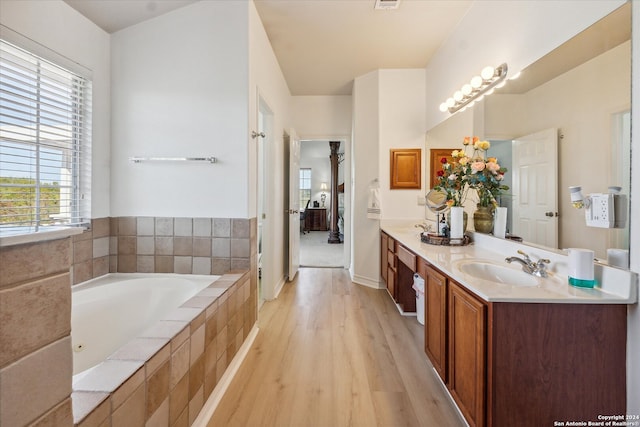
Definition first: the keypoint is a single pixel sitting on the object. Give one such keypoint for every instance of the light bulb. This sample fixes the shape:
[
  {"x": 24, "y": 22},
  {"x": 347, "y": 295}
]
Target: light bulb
[
  {"x": 487, "y": 72},
  {"x": 480, "y": 98},
  {"x": 489, "y": 92},
  {"x": 476, "y": 82},
  {"x": 457, "y": 95},
  {"x": 501, "y": 84},
  {"x": 515, "y": 76},
  {"x": 450, "y": 102},
  {"x": 471, "y": 104},
  {"x": 466, "y": 89},
  {"x": 443, "y": 107}
]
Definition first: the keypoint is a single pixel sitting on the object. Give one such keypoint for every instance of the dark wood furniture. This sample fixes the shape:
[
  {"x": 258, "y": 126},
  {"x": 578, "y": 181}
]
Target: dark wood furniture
[
  {"x": 315, "y": 219},
  {"x": 524, "y": 364},
  {"x": 406, "y": 168},
  {"x": 334, "y": 232}
]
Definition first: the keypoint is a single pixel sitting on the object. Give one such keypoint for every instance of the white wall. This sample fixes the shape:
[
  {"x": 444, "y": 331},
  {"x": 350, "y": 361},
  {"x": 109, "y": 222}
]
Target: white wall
[
  {"x": 180, "y": 88},
  {"x": 402, "y": 125},
  {"x": 494, "y": 31},
  {"x": 321, "y": 117},
  {"x": 56, "y": 26},
  {"x": 267, "y": 82},
  {"x": 365, "y": 254}
]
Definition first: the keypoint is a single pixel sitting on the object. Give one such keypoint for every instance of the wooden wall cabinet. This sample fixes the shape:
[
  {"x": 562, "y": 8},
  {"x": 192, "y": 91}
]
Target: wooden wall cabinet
[{"x": 406, "y": 166}]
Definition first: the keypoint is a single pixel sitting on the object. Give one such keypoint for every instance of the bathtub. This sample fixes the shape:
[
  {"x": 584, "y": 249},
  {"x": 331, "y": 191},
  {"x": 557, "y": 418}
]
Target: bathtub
[{"x": 110, "y": 310}]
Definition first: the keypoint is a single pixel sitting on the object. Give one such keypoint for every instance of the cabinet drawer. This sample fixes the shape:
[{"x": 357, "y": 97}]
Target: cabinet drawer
[
  {"x": 391, "y": 259},
  {"x": 407, "y": 257},
  {"x": 391, "y": 244}
]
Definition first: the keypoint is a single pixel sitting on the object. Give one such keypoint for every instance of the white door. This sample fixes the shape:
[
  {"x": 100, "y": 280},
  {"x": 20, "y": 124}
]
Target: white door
[
  {"x": 535, "y": 188},
  {"x": 294, "y": 204}
]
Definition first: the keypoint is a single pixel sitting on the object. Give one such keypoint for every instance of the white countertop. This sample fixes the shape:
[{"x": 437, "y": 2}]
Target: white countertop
[
  {"x": 614, "y": 285},
  {"x": 47, "y": 233}
]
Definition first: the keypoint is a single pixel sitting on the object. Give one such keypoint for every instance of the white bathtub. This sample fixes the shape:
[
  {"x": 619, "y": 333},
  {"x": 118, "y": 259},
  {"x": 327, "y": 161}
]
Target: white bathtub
[{"x": 110, "y": 310}]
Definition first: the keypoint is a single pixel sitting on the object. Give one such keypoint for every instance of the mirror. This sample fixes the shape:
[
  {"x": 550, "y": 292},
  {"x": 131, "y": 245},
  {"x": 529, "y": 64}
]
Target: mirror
[
  {"x": 581, "y": 92},
  {"x": 436, "y": 201}
]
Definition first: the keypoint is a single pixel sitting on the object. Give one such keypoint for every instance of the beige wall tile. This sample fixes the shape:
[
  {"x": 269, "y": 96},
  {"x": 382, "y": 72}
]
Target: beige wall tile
[
  {"x": 164, "y": 245},
  {"x": 240, "y": 248},
  {"x": 164, "y": 227},
  {"x": 126, "y": 389},
  {"x": 146, "y": 264},
  {"x": 202, "y": 246},
  {"x": 35, "y": 383},
  {"x": 127, "y": 263},
  {"x": 24, "y": 262},
  {"x": 195, "y": 405},
  {"x": 100, "y": 266},
  {"x": 33, "y": 315},
  {"x": 178, "y": 399},
  {"x": 82, "y": 251},
  {"x": 100, "y": 247},
  {"x": 182, "y": 264},
  {"x": 131, "y": 413},
  {"x": 90, "y": 408},
  {"x": 108, "y": 375},
  {"x": 146, "y": 226},
  {"x": 146, "y": 245},
  {"x": 196, "y": 376},
  {"x": 165, "y": 329},
  {"x": 101, "y": 227},
  {"x": 82, "y": 271},
  {"x": 127, "y": 245},
  {"x": 164, "y": 264},
  {"x": 60, "y": 416},
  {"x": 162, "y": 356},
  {"x": 183, "y": 246},
  {"x": 201, "y": 265},
  {"x": 220, "y": 265},
  {"x": 221, "y": 227},
  {"x": 211, "y": 357},
  {"x": 141, "y": 349},
  {"x": 183, "y": 227},
  {"x": 157, "y": 389},
  {"x": 183, "y": 419},
  {"x": 127, "y": 226},
  {"x": 179, "y": 363},
  {"x": 160, "y": 418},
  {"x": 202, "y": 227},
  {"x": 197, "y": 344},
  {"x": 240, "y": 228}
]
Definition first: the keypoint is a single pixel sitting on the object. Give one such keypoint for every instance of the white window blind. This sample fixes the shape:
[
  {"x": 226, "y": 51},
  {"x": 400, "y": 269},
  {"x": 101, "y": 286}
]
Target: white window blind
[{"x": 45, "y": 143}]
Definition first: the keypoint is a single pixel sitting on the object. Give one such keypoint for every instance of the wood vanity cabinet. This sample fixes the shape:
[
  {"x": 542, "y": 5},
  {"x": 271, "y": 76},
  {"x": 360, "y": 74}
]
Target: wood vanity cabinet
[
  {"x": 435, "y": 322},
  {"x": 388, "y": 263},
  {"x": 467, "y": 353}
]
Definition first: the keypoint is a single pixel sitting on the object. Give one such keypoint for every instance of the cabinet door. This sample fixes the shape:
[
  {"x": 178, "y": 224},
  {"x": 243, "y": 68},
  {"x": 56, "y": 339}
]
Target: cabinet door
[
  {"x": 467, "y": 353},
  {"x": 383, "y": 256},
  {"x": 435, "y": 331}
]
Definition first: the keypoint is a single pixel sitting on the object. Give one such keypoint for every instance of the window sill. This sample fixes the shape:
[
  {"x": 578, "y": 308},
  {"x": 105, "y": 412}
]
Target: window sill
[{"x": 40, "y": 236}]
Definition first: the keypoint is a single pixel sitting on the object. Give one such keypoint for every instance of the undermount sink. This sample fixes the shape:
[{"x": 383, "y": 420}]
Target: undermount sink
[{"x": 497, "y": 273}]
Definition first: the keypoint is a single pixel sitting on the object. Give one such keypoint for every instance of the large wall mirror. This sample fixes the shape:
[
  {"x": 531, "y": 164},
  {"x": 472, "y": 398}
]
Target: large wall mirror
[{"x": 580, "y": 95}]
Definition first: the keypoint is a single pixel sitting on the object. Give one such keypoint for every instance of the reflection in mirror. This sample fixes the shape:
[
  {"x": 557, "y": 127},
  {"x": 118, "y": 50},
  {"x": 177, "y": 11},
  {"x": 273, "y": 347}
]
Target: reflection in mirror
[{"x": 578, "y": 94}]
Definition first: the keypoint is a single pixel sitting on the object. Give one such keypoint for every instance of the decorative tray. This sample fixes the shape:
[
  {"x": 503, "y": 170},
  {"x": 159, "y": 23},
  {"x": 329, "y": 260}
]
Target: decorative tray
[{"x": 434, "y": 239}]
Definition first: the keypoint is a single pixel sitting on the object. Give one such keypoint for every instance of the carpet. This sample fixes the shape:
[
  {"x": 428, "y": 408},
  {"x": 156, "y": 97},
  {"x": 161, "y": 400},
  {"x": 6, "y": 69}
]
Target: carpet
[{"x": 316, "y": 252}]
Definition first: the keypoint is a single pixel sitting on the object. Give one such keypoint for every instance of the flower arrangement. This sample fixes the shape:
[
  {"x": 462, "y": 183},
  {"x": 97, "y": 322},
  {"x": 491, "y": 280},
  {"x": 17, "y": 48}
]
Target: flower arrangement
[{"x": 474, "y": 170}]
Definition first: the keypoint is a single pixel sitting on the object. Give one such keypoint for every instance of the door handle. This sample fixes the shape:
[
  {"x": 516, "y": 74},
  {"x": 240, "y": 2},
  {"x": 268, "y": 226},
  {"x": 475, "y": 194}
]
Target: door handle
[
  {"x": 550, "y": 214},
  {"x": 291, "y": 211}
]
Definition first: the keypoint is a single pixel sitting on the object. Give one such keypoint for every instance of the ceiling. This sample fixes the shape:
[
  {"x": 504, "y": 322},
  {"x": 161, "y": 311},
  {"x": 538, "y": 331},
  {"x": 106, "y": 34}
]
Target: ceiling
[{"x": 321, "y": 45}]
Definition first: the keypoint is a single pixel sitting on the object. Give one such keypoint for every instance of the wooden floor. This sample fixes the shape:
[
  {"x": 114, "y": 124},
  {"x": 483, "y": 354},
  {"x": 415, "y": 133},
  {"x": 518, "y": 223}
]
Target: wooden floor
[{"x": 332, "y": 353}]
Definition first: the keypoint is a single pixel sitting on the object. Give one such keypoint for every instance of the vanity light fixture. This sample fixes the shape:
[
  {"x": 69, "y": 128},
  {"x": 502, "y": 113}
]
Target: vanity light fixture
[{"x": 476, "y": 89}]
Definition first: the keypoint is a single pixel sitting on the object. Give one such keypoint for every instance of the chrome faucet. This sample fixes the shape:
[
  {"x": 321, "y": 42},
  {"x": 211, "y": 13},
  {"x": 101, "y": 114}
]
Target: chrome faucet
[
  {"x": 425, "y": 227},
  {"x": 538, "y": 269}
]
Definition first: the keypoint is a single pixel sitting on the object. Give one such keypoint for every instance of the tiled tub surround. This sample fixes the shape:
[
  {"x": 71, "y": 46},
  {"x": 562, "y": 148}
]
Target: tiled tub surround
[
  {"x": 164, "y": 376},
  {"x": 35, "y": 349},
  {"x": 163, "y": 245}
]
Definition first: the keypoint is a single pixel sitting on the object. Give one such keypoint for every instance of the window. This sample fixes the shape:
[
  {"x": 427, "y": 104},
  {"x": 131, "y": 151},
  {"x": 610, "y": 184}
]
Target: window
[
  {"x": 305, "y": 187},
  {"x": 45, "y": 129}
]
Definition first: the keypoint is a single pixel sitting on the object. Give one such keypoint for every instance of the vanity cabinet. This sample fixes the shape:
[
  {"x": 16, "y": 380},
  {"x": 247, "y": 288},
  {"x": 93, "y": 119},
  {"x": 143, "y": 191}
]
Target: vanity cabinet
[
  {"x": 435, "y": 322},
  {"x": 397, "y": 266},
  {"x": 388, "y": 263},
  {"x": 467, "y": 353}
]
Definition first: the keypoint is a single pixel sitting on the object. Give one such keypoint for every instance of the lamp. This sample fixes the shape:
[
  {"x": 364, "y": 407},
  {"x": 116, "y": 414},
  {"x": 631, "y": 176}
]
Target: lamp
[
  {"x": 323, "y": 196},
  {"x": 488, "y": 79}
]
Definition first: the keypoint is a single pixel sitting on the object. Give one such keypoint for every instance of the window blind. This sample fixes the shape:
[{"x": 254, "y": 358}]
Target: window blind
[{"x": 45, "y": 143}]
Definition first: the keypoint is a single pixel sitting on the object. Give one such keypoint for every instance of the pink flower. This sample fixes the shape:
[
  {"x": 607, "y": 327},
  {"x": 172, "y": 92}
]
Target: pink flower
[
  {"x": 477, "y": 166},
  {"x": 493, "y": 167}
]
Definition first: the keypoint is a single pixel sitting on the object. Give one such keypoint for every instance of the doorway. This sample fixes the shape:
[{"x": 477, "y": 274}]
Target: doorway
[
  {"x": 316, "y": 199},
  {"x": 265, "y": 127}
]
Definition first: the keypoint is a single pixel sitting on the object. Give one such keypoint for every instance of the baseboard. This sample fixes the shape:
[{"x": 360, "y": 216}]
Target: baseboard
[
  {"x": 279, "y": 287},
  {"x": 216, "y": 395},
  {"x": 365, "y": 281}
]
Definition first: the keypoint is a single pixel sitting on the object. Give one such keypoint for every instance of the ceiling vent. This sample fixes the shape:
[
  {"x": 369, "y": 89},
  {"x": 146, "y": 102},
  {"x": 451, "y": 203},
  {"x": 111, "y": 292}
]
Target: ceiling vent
[{"x": 387, "y": 4}]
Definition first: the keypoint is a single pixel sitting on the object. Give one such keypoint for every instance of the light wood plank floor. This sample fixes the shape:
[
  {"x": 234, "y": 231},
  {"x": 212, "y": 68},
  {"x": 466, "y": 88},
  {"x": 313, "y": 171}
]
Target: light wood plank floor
[{"x": 332, "y": 353}]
